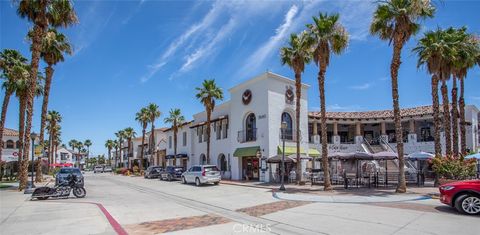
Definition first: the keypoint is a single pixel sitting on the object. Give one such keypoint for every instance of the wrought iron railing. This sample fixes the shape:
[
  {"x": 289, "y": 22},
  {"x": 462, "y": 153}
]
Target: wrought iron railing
[{"x": 247, "y": 135}]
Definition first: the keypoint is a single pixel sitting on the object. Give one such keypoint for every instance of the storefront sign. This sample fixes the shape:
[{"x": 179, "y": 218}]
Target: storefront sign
[
  {"x": 12, "y": 157},
  {"x": 262, "y": 116},
  {"x": 337, "y": 148}
]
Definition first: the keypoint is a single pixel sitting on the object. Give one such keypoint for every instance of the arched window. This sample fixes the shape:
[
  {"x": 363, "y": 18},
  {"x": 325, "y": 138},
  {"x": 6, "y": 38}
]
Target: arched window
[
  {"x": 289, "y": 131},
  {"x": 10, "y": 144},
  {"x": 222, "y": 162},
  {"x": 250, "y": 128}
]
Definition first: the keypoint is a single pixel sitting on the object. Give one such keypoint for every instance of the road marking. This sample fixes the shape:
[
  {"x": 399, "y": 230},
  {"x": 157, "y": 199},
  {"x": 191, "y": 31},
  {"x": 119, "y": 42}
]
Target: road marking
[{"x": 113, "y": 222}]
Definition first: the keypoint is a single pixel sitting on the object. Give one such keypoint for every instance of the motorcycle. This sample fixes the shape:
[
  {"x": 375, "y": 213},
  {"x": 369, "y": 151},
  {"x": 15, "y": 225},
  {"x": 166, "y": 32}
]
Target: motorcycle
[{"x": 61, "y": 190}]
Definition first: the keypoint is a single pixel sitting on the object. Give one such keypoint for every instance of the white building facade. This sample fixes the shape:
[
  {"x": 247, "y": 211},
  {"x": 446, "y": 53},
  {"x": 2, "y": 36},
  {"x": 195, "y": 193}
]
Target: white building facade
[{"x": 245, "y": 130}]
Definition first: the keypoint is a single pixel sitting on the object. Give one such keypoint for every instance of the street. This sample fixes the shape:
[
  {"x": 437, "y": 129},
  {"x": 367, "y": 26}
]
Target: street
[{"x": 140, "y": 206}]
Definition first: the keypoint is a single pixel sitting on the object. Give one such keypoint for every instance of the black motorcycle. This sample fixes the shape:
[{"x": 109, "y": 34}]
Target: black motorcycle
[{"x": 61, "y": 190}]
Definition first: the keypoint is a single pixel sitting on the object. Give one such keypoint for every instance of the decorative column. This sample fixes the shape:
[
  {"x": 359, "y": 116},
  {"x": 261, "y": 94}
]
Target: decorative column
[
  {"x": 412, "y": 135},
  {"x": 383, "y": 132},
  {"x": 358, "y": 133},
  {"x": 335, "y": 137}
]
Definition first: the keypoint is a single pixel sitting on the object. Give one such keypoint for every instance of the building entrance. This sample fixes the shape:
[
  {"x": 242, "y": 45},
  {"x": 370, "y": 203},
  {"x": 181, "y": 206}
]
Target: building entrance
[{"x": 250, "y": 168}]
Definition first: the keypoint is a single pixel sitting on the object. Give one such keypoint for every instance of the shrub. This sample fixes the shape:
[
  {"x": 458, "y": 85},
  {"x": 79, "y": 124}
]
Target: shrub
[{"x": 454, "y": 168}]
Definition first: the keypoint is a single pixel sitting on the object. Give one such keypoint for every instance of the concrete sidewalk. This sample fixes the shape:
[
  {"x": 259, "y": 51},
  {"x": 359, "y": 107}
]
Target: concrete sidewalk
[{"x": 349, "y": 198}]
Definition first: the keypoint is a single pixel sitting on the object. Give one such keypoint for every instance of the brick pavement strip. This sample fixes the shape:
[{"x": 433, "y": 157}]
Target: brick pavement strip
[
  {"x": 171, "y": 225},
  {"x": 269, "y": 208}
]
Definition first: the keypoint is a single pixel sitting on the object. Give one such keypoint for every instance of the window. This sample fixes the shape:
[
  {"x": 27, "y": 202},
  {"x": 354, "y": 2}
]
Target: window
[
  {"x": 225, "y": 129},
  {"x": 169, "y": 142},
  {"x": 203, "y": 159},
  {"x": 222, "y": 162},
  {"x": 184, "y": 138},
  {"x": 250, "y": 128},
  {"x": 219, "y": 129},
  {"x": 200, "y": 133},
  {"x": 10, "y": 144},
  {"x": 425, "y": 134},
  {"x": 289, "y": 131}
]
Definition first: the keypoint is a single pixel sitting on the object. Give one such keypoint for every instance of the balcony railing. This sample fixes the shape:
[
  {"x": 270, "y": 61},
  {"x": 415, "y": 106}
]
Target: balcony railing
[{"x": 247, "y": 135}]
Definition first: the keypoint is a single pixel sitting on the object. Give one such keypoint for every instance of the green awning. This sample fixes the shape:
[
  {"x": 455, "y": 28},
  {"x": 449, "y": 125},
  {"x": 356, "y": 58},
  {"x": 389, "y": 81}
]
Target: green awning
[
  {"x": 246, "y": 152},
  {"x": 293, "y": 150}
]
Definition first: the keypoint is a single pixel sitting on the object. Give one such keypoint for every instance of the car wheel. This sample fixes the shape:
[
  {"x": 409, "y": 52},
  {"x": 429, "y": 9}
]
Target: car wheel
[
  {"x": 169, "y": 178},
  {"x": 184, "y": 181},
  {"x": 468, "y": 204},
  {"x": 216, "y": 183},
  {"x": 197, "y": 182}
]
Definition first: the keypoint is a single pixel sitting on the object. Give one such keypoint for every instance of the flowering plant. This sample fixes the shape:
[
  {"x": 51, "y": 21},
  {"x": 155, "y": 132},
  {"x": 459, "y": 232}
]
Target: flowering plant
[{"x": 456, "y": 168}]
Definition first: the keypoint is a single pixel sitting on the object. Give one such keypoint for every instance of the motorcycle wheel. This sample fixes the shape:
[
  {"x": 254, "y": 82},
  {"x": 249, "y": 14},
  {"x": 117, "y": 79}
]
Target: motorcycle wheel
[{"x": 79, "y": 192}]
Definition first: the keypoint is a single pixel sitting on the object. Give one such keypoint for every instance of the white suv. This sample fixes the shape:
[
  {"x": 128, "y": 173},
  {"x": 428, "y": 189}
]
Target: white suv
[{"x": 201, "y": 174}]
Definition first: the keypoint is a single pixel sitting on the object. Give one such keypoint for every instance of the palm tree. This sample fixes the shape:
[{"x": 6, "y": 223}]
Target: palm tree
[
  {"x": 54, "y": 45},
  {"x": 79, "y": 147},
  {"x": 468, "y": 54},
  {"x": 53, "y": 120},
  {"x": 13, "y": 66},
  {"x": 329, "y": 37},
  {"x": 42, "y": 14},
  {"x": 121, "y": 136},
  {"x": 87, "y": 144},
  {"x": 433, "y": 51},
  {"x": 396, "y": 21},
  {"x": 207, "y": 94},
  {"x": 115, "y": 146},
  {"x": 154, "y": 113},
  {"x": 21, "y": 92},
  {"x": 296, "y": 55},
  {"x": 176, "y": 119},
  {"x": 143, "y": 117},
  {"x": 129, "y": 133},
  {"x": 109, "y": 144}
]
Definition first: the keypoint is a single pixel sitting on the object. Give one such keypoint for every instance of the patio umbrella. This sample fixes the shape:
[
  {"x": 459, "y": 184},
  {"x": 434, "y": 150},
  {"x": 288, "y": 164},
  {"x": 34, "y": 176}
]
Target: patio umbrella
[
  {"x": 420, "y": 156},
  {"x": 385, "y": 155},
  {"x": 475, "y": 155}
]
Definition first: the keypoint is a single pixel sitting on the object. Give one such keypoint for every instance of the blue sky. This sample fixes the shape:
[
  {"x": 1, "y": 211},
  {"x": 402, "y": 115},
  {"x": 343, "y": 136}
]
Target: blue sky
[{"x": 131, "y": 53}]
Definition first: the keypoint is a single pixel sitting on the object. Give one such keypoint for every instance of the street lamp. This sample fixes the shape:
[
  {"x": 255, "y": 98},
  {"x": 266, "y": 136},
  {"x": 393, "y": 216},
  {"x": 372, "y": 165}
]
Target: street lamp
[
  {"x": 31, "y": 185},
  {"x": 283, "y": 128}
]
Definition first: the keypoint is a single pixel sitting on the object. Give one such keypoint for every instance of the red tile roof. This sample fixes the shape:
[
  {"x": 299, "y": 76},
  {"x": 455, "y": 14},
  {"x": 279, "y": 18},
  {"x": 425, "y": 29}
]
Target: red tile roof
[
  {"x": 407, "y": 112},
  {"x": 10, "y": 132}
]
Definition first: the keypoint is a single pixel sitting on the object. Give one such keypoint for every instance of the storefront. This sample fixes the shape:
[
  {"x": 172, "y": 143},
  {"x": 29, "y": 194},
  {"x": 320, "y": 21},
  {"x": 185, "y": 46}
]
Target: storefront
[{"x": 250, "y": 162}]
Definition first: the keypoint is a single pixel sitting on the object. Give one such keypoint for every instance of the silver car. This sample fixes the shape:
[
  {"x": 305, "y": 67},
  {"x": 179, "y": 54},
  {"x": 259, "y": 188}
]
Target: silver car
[{"x": 201, "y": 174}]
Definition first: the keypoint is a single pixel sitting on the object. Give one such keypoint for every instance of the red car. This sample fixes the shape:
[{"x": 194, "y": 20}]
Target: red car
[{"x": 463, "y": 195}]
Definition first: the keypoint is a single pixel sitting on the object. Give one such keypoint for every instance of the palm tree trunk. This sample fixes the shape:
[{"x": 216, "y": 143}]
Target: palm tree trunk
[
  {"x": 116, "y": 156},
  {"x": 209, "y": 114},
  {"x": 50, "y": 149},
  {"x": 321, "y": 87},
  {"x": 463, "y": 131},
  {"x": 152, "y": 144},
  {"x": 436, "y": 116},
  {"x": 46, "y": 94},
  {"x": 143, "y": 143},
  {"x": 446, "y": 118},
  {"x": 397, "y": 49},
  {"x": 175, "y": 144},
  {"x": 6, "y": 101},
  {"x": 109, "y": 156},
  {"x": 21, "y": 136},
  {"x": 298, "y": 95},
  {"x": 454, "y": 117}
]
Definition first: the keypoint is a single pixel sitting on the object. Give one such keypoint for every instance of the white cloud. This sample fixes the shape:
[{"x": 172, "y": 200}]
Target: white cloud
[
  {"x": 361, "y": 87},
  {"x": 262, "y": 53}
]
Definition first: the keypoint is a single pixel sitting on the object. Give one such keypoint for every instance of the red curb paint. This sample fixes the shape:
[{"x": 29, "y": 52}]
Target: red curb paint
[{"x": 115, "y": 225}]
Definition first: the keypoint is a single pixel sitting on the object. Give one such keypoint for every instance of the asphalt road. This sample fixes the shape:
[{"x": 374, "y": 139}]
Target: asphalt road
[{"x": 141, "y": 206}]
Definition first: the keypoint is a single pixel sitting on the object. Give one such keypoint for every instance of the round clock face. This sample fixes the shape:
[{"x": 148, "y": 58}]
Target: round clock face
[
  {"x": 246, "y": 97},
  {"x": 289, "y": 95}
]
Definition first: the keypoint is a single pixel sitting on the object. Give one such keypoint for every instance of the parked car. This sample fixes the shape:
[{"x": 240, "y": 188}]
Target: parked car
[
  {"x": 202, "y": 174},
  {"x": 153, "y": 172},
  {"x": 107, "y": 169},
  {"x": 65, "y": 172},
  {"x": 462, "y": 195},
  {"x": 98, "y": 169},
  {"x": 172, "y": 173}
]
